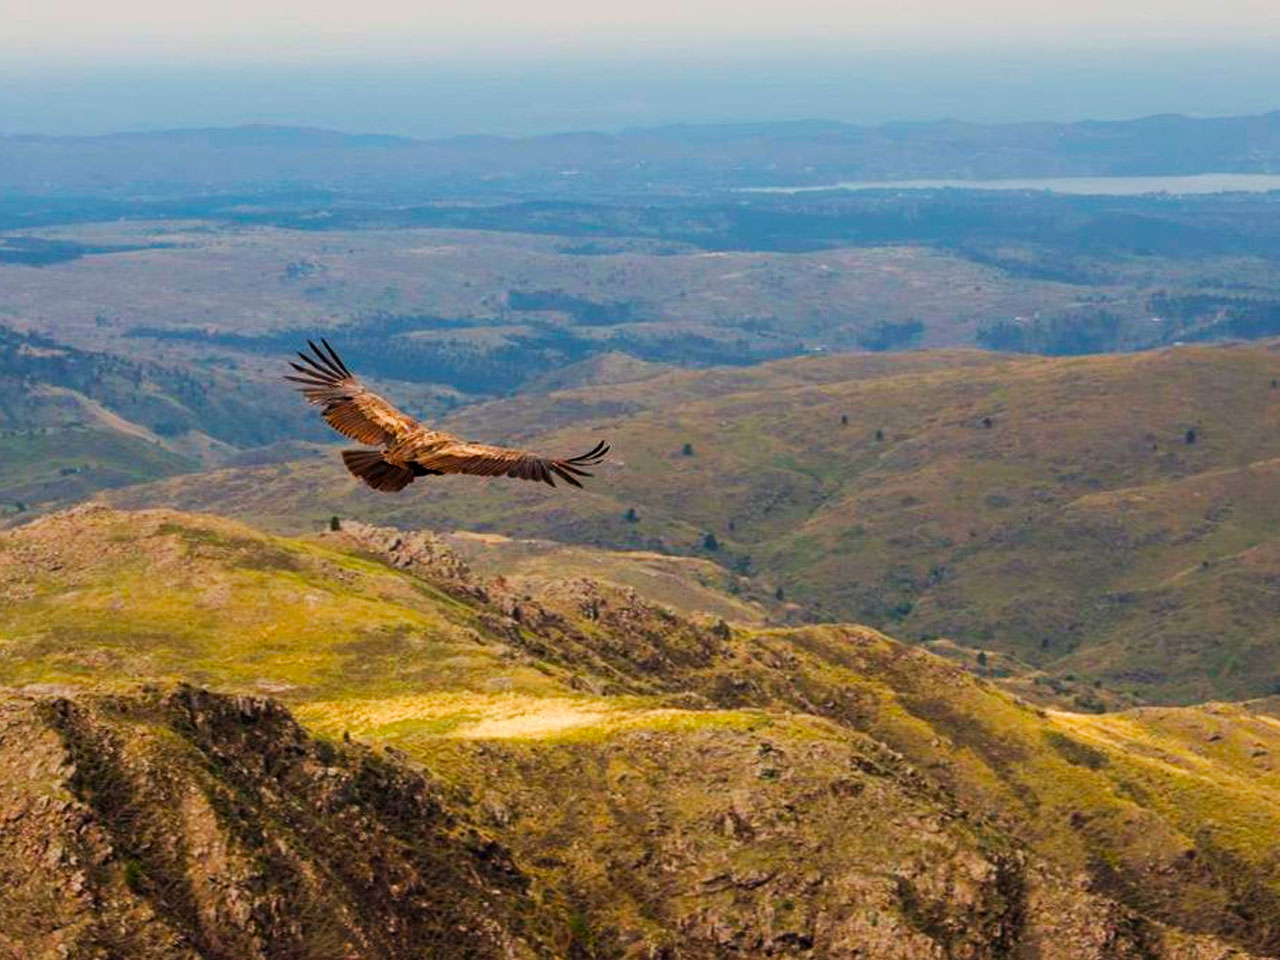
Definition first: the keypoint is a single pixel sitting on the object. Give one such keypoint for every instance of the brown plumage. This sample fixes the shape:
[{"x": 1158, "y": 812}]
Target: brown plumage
[{"x": 408, "y": 449}]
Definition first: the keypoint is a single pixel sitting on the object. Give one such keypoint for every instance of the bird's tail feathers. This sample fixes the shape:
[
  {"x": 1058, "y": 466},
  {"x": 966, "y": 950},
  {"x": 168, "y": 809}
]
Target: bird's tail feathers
[{"x": 369, "y": 466}]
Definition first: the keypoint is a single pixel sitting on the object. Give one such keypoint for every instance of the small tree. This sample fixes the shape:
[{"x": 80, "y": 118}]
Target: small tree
[
  {"x": 982, "y": 659},
  {"x": 687, "y": 450},
  {"x": 780, "y": 595},
  {"x": 844, "y": 419},
  {"x": 631, "y": 516},
  {"x": 335, "y": 524},
  {"x": 988, "y": 423},
  {"x": 879, "y": 434},
  {"x": 1191, "y": 437},
  {"x": 710, "y": 543}
]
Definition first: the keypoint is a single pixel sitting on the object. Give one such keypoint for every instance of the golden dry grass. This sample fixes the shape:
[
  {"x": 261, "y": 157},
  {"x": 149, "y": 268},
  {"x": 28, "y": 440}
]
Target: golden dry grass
[{"x": 408, "y": 720}]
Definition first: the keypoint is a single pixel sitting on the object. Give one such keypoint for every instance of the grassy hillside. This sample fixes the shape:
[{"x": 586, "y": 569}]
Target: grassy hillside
[
  {"x": 38, "y": 466},
  {"x": 180, "y": 326},
  {"x": 75, "y": 421},
  {"x": 661, "y": 783},
  {"x": 1105, "y": 518}
]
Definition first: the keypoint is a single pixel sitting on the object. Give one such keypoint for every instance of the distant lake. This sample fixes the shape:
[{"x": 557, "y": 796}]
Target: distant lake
[{"x": 1201, "y": 183}]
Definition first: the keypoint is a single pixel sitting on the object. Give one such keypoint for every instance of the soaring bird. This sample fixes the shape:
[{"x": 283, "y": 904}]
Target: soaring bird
[{"x": 407, "y": 449}]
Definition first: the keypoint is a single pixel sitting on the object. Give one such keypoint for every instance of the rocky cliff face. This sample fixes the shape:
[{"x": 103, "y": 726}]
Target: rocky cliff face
[{"x": 184, "y": 824}]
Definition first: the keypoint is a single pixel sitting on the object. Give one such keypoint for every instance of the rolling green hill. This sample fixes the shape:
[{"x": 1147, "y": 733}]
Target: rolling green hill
[
  {"x": 1106, "y": 518},
  {"x": 654, "y": 783}
]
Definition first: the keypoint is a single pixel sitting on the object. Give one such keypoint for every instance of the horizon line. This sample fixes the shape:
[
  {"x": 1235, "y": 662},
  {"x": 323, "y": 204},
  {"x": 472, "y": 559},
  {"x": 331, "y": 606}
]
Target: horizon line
[{"x": 623, "y": 131}]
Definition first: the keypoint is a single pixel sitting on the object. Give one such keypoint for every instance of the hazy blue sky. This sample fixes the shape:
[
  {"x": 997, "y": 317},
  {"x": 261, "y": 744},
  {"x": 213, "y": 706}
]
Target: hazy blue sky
[{"x": 428, "y": 68}]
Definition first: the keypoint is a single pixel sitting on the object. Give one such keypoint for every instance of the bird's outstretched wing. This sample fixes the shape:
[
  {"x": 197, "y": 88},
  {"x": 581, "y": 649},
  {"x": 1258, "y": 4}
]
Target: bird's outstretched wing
[
  {"x": 481, "y": 460},
  {"x": 347, "y": 404}
]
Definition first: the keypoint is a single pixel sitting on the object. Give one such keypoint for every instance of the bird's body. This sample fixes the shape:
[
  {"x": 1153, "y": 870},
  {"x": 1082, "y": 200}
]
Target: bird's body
[{"x": 407, "y": 449}]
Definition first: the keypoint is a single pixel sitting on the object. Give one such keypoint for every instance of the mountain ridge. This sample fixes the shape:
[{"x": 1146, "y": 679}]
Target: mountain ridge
[
  {"x": 679, "y": 156},
  {"x": 728, "y": 129}
]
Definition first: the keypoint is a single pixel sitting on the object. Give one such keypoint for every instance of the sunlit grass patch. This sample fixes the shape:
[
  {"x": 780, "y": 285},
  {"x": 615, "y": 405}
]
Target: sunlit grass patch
[
  {"x": 1207, "y": 769},
  {"x": 507, "y": 716}
]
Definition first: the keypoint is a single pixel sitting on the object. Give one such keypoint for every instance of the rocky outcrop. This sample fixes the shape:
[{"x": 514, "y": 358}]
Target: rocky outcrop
[
  {"x": 419, "y": 552},
  {"x": 612, "y": 637}
]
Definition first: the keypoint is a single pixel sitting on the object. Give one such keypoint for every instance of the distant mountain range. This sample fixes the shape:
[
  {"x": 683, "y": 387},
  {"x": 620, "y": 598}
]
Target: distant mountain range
[{"x": 671, "y": 158}]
